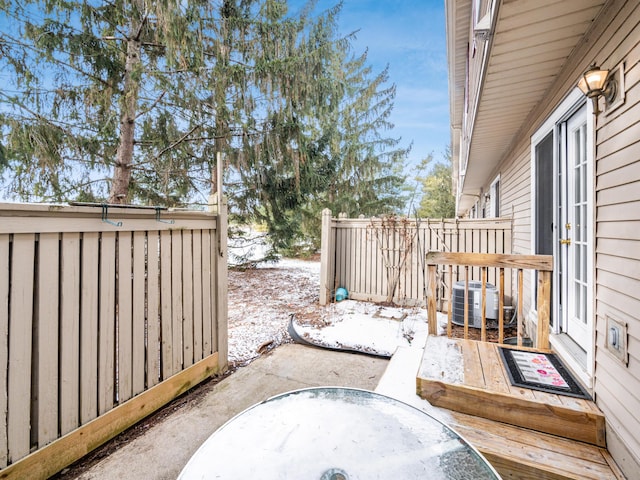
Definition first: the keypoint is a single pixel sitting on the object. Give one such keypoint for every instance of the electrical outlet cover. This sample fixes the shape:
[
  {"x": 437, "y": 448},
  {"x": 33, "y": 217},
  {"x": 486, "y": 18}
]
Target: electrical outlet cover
[{"x": 616, "y": 339}]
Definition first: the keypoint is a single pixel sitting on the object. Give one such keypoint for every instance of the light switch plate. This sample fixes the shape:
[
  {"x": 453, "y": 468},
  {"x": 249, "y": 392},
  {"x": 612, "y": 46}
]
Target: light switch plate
[{"x": 616, "y": 339}]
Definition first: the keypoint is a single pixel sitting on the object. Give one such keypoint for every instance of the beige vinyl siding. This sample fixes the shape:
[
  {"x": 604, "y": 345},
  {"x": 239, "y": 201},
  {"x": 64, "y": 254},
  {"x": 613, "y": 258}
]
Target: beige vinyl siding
[
  {"x": 516, "y": 198},
  {"x": 515, "y": 179},
  {"x": 617, "y": 386}
]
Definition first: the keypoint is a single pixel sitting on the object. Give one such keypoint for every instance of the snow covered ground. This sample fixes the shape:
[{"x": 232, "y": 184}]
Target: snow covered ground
[
  {"x": 262, "y": 301},
  {"x": 367, "y": 327}
]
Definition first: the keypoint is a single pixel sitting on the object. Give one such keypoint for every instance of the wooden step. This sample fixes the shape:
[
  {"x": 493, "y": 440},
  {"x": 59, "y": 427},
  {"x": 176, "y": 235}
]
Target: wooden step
[
  {"x": 514, "y": 452},
  {"x": 468, "y": 377}
]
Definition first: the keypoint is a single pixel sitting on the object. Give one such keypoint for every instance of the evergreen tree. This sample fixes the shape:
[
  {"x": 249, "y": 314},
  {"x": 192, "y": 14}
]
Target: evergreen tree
[
  {"x": 366, "y": 165},
  {"x": 83, "y": 76},
  {"x": 438, "y": 200},
  {"x": 130, "y": 101}
]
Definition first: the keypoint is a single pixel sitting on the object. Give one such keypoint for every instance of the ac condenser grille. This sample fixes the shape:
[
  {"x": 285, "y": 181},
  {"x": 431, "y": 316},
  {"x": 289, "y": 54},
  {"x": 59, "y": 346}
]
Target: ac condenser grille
[{"x": 475, "y": 304}]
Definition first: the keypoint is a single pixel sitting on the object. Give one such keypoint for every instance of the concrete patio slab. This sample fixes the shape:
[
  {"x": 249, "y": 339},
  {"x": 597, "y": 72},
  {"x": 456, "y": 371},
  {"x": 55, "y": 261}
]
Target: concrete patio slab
[{"x": 163, "y": 450}]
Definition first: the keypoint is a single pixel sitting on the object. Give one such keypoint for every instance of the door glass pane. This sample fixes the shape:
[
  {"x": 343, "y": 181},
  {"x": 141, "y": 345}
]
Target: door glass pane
[{"x": 584, "y": 305}]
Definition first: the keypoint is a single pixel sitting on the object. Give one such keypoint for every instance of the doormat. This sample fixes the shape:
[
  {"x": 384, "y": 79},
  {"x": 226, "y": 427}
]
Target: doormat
[{"x": 540, "y": 371}]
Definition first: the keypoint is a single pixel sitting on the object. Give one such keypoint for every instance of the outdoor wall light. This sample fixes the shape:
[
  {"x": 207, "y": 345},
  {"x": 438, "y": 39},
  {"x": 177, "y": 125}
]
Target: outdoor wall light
[{"x": 595, "y": 83}]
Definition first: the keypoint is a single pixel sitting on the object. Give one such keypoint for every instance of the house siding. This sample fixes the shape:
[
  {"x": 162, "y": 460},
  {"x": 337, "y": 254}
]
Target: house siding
[
  {"x": 515, "y": 202},
  {"x": 616, "y": 385}
]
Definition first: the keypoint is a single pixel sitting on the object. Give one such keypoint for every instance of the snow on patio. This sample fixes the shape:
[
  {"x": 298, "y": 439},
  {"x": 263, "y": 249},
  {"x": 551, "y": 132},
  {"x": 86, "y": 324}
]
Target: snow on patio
[{"x": 367, "y": 327}]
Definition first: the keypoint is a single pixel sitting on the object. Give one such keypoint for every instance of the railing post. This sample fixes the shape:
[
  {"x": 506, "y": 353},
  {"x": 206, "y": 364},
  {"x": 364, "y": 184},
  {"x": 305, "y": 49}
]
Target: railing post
[
  {"x": 326, "y": 258},
  {"x": 432, "y": 315},
  {"x": 544, "y": 301}
]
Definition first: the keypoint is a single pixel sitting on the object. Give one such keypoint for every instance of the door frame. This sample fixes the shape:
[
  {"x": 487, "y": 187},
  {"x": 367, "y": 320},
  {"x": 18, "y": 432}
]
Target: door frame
[
  {"x": 572, "y": 269},
  {"x": 573, "y": 102}
]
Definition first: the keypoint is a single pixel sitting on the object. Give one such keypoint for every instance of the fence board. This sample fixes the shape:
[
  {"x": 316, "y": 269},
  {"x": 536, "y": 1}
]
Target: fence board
[
  {"x": 176, "y": 301},
  {"x": 4, "y": 344},
  {"x": 208, "y": 306},
  {"x": 69, "y": 332},
  {"x": 56, "y": 224},
  {"x": 138, "y": 364},
  {"x": 166, "y": 251},
  {"x": 187, "y": 299},
  {"x": 124, "y": 315},
  {"x": 20, "y": 342},
  {"x": 153, "y": 309},
  {"x": 197, "y": 295},
  {"x": 107, "y": 323},
  {"x": 89, "y": 328},
  {"x": 47, "y": 351}
]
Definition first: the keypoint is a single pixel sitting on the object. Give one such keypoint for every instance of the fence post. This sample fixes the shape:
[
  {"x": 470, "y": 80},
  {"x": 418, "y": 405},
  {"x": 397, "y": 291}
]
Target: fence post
[
  {"x": 326, "y": 257},
  {"x": 222, "y": 284}
]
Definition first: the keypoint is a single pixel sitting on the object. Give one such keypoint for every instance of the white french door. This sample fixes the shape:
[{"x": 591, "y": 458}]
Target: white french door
[{"x": 575, "y": 228}]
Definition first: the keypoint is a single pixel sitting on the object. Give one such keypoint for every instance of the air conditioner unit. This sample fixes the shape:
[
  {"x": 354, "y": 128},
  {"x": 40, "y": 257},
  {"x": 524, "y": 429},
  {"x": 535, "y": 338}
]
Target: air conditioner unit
[{"x": 475, "y": 304}]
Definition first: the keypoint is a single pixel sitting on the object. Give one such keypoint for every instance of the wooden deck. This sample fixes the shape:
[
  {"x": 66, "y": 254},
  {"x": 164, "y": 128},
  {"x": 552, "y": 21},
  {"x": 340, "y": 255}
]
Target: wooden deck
[{"x": 524, "y": 433}]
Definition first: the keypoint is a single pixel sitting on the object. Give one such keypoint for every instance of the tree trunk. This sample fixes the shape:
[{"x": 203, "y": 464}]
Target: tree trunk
[{"x": 124, "y": 156}]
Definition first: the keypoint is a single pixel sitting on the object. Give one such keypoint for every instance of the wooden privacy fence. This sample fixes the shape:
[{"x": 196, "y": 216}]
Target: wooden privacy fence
[
  {"x": 383, "y": 259},
  {"x": 106, "y": 314}
]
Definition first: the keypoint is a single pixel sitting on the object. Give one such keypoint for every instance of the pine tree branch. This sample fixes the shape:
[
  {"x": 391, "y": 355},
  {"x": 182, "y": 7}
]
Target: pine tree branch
[
  {"x": 155, "y": 103},
  {"x": 177, "y": 142}
]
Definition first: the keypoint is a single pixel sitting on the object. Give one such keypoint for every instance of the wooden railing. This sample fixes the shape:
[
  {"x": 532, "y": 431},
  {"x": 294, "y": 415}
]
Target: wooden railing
[
  {"x": 517, "y": 264},
  {"x": 106, "y": 314}
]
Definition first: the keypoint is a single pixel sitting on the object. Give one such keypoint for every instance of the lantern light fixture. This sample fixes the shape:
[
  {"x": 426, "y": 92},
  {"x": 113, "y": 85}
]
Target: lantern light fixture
[{"x": 595, "y": 83}]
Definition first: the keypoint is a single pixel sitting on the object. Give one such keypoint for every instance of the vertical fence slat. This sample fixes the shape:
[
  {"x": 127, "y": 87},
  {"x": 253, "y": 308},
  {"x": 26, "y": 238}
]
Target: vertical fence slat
[
  {"x": 364, "y": 265},
  {"x": 20, "y": 329},
  {"x": 4, "y": 344},
  {"x": 176, "y": 300},
  {"x": 153, "y": 310},
  {"x": 187, "y": 298},
  {"x": 208, "y": 304},
  {"x": 368, "y": 264},
  {"x": 125, "y": 330},
  {"x": 47, "y": 350},
  {"x": 197, "y": 295},
  {"x": 69, "y": 332},
  {"x": 138, "y": 363},
  {"x": 353, "y": 256},
  {"x": 166, "y": 279},
  {"x": 107, "y": 322},
  {"x": 89, "y": 328}
]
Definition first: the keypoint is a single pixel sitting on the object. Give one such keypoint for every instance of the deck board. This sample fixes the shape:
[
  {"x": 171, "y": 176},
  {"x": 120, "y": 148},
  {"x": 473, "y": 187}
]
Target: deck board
[
  {"x": 494, "y": 375},
  {"x": 481, "y": 390},
  {"x": 513, "y": 451},
  {"x": 533, "y": 455}
]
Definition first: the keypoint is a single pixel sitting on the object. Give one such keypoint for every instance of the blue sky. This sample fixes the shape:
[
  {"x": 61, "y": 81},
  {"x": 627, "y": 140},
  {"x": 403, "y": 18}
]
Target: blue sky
[{"x": 409, "y": 36}]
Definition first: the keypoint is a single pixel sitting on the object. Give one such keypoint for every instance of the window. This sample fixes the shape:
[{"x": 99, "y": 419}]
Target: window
[{"x": 494, "y": 198}]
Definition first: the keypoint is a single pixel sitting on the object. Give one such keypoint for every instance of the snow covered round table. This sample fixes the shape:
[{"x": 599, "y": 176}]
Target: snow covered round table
[{"x": 335, "y": 434}]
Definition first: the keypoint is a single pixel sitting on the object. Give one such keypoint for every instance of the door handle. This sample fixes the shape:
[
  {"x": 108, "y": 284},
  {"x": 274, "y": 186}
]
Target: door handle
[{"x": 565, "y": 241}]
